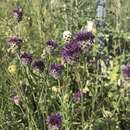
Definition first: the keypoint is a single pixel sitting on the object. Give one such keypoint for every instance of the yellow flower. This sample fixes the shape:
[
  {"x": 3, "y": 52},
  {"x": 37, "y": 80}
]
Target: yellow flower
[
  {"x": 94, "y": 31},
  {"x": 66, "y": 97},
  {"x": 12, "y": 69},
  {"x": 55, "y": 89},
  {"x": 85, "y": 90}
]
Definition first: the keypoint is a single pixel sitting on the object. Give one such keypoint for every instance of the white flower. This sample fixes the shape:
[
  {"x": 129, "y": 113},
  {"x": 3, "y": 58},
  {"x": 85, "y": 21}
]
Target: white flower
[
  {"x": 90, "y": 25},
  {"x": 67, "y": 35}
]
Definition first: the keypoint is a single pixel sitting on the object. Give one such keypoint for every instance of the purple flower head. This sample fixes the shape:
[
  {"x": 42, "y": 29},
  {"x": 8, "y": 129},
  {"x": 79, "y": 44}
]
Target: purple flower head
[
  {"x": 84, "y": 36},
  {"x": 14, "y": 40},
  {"x": 126, "y": 70},
  {"x": 85, "y": 45},
  {"x": 55, "y": 70},
  {"x": 51, "y": 44},
  {"x": 26, "y": 58},
  {"x": 77, "y": 95},
  {"x": 18, "y": 13},
  {"x": 54, "y": 121},
  {"x": 85, "y": 40},
  {"x": 38, "y": 65},
  {"x": 70, "y": 51}
]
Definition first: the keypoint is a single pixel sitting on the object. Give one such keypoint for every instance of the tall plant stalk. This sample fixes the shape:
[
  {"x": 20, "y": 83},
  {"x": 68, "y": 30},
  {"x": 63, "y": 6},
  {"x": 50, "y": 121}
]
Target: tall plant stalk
[{"x": 118, "y": 9}]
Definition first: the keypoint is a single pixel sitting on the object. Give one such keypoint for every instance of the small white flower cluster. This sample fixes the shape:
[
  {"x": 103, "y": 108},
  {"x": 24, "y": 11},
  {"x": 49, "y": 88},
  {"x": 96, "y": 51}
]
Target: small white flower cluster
[{"x": 67, "y": 36}]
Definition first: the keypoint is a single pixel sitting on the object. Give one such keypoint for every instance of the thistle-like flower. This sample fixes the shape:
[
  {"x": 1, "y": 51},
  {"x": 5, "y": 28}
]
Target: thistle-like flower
[
  {"x": 82, "y": 42},
  {"x": 26, "y": 58},
  {"x": 51, "y": 45},
  {"x": 126, "y": 70},
  {"x": 85, "y": 40},
  {"x": 54, "y": 121},
  {"x": 84, "y": 36},
  {"x": 70, "y": 52},
  {"x": 18, "y": 13},
  {"x": 78, "y": 94},
  {"x": 14, "y": 40},
  {"x": 38, "y": 65},
  {"x": 55, "y": 70}
]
